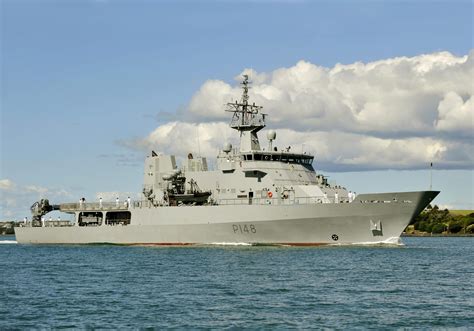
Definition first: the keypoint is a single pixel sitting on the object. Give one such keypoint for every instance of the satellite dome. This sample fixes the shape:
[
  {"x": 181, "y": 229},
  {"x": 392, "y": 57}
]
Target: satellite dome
[
  {"x": 271, "y": 135},
  {"x": 167, "y": 176},
  {"x": 227, "y": 147}
]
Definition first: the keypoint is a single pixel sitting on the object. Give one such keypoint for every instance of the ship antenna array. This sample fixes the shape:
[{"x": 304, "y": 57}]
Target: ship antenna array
[
  {"x": 245, "y": 95},
  {"x": 243, "y": 110},
  {"x": 431, "y": 176}
]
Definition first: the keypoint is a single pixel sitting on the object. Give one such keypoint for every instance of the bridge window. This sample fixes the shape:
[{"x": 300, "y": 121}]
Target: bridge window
[{"x": 285, "y": 158}]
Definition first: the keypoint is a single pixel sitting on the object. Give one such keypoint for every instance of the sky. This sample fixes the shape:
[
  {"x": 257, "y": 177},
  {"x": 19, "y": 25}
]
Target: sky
[{"x": 377, "y": 90}]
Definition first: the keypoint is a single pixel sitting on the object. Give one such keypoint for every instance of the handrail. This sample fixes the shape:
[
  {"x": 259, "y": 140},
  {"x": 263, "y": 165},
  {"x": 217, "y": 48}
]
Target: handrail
[
  {"x": 93, "y": 206},
  {"x": 275, "y": 201},
  {"x": 253, "y": 201},
  {"x": 272, "y": 201}
]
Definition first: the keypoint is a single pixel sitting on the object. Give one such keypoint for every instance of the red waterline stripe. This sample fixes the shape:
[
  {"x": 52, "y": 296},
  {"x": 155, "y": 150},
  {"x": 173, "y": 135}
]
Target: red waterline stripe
[
  {"x": 304, "y": 244},
  {"x": 256, "y": 244},
  {"x": 161, "y": 244}
]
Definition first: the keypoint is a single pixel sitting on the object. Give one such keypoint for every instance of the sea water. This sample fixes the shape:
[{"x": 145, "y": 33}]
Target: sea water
[{"x": 427, "y": 283}]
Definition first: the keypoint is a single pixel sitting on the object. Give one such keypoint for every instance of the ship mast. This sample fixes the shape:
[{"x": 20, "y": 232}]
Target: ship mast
[{"x": 246, "y": 119}]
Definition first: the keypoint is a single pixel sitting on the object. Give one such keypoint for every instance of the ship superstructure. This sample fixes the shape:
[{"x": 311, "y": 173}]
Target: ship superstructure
[
  {"x": 249, "y": 173},
  {"x": 256, "y": 195}
]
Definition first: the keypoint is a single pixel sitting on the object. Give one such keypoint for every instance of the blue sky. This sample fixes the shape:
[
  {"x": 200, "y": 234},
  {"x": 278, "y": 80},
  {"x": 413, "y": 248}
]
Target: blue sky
[{"x": 80, "y": 78}]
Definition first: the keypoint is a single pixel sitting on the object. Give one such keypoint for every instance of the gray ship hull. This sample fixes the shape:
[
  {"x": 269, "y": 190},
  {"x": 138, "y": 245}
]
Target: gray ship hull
[{"x": 371, "y": 218}]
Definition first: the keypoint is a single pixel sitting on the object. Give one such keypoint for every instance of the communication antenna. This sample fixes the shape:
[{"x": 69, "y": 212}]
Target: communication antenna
[
  {"x": 431, "y": 176},
  {"x": 246, "y": 119},
  {"x": 199, "y": 144}
]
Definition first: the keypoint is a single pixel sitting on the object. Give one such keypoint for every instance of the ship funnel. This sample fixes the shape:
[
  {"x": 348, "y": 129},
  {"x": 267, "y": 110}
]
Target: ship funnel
[{"x": 271, "y": 135}]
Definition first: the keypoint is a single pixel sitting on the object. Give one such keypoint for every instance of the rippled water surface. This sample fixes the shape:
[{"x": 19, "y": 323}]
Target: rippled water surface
[{"x": 428, "y": 283}]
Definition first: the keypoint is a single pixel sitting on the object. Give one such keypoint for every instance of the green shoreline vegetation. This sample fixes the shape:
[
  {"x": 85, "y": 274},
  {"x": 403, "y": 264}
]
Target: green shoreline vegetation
[
  {"x": 441, "y": 222},
  {"x": 431, "y": 222},
  {"x": 6, "y": 228}
]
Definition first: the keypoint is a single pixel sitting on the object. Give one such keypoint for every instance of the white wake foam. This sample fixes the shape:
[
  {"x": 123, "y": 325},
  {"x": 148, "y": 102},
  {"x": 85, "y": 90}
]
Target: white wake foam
[
  {"x": 7, "y": 242},
  {"x": 392, "y": 241}
]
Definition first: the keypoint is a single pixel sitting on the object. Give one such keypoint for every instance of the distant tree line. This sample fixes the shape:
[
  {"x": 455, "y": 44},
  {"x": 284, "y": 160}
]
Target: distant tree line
[
  {"x": 437, "y": 221},
  {"x": 6, "y": 228}
]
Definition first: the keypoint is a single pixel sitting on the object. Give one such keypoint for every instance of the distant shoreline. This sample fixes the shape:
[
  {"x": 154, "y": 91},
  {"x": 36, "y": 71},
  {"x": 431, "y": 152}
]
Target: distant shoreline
[{"x": 437, "y": 235}]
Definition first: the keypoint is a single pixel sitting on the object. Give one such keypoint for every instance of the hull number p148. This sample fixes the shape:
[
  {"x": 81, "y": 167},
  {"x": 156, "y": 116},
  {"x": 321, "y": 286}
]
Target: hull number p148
[{"x": 244, "y": 228}]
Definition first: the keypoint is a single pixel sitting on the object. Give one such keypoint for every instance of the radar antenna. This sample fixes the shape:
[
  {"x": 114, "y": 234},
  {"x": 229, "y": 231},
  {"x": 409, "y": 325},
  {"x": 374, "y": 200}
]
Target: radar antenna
[
  {"x": 246, "y": 119},
  {"x": 245, "y": 95},
  {"x": 245, "y": 115}
]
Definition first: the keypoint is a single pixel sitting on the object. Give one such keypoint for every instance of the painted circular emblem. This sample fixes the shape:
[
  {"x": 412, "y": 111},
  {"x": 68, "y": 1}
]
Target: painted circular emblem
[{"x": 335, "y": 237}]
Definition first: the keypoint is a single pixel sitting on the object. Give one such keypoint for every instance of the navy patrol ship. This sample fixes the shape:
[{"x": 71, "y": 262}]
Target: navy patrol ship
[{"x": 255, "y": 196}]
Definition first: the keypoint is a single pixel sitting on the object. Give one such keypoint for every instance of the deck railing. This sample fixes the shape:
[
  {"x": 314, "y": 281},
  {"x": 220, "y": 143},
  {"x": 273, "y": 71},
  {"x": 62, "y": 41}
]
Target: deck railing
[
  {"x": 253, "y": 201},
  {"x": 275, "y": 201},
  {"x": 271, "y": 201},
  {"x": 94, "y": 206},
  {"x": 278, "y": 201}
]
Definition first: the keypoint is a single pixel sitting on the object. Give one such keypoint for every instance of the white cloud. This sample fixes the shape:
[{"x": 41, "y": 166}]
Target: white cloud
[
  {"x": 392, "y": 96},
  {"x": 182, "y": 138},
  {"x": 16, "y": 199},
  {"x": 36, "y": 189},
  {"x": 334, "y": 150},
  {"x": 455, "y": 115},
  {"x": 208, "y": 104},
  {"x": 6, "y": 184},
  {"x": 399, "y": 113}
]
